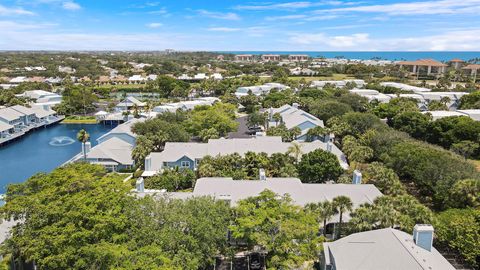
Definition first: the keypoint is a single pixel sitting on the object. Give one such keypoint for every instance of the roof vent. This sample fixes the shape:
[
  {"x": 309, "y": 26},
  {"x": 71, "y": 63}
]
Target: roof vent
[
  {"x": 423, "y": 236},
  {"x": 148, "y": 163},
  {"x": 357, "y": 177},
  {"x": 140, "y": 185},
  {"x": 262, "y": 175},
  {"x": 329, "y": 146},
  {"x": 87, "y": 147}
]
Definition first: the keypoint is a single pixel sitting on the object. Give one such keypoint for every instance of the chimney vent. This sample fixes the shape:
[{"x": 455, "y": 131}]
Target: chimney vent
[
  {"x": 329, "y": 147},
  {"x": 86, "y": 147},
  {"x": 262, "y": 175},
  {"x": 140, "y": 185},
  {"x": 423, "y": 236},
  {"x": 148, "y": 163},
  {"x": 357, "y": 177},
  {"x": 331, "y": 137}
]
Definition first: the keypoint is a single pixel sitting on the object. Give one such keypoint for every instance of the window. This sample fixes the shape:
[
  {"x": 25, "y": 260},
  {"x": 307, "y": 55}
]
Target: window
[{"x": 185, "y": 164}]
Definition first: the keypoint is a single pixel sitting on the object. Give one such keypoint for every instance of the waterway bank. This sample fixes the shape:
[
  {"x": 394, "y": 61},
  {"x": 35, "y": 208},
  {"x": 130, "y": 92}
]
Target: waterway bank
[{"x": 43, "y": 150}]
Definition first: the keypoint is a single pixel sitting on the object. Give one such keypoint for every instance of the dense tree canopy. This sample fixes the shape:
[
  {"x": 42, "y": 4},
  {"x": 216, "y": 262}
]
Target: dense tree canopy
[
  {"x": 77, "y": 100},
  {"x": 79, "y": 216},
  {"x": 319, "y": 166},
  {"x": 248, "y": 167},
  {"x": 402, "y": 211},
  {"x": 287, "y": 233},
  {"x": 220, "y": 117},
  {"x": 168, "y": 87},
  {"x": 460, "y": 230},
  {"x": 470, "y": 101},
  {"x": 171, "y": 180},
  {"x": 70, "y": 218},
  {"x": 433, "y": 170}
]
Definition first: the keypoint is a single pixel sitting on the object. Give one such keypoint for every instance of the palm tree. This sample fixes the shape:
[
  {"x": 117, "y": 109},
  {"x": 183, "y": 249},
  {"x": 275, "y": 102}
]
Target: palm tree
[
  {"x": 277, "y": 118},
  {"x": 295, "y": 149},
  {"x": 136, "y": 112},
  {"x": 149, "y": 107},
  {"x": 295, "y": 132},
  {"x": 125, "y": 115},
  {"x": 342, "y": 204},
  {"x": 315, "y": 132},
  {"x": 323, "y": 211},
  {"x": 143, "y": 148},
  {"x": 363, "y": 218},
  {"x": 445, "y": 100},
  {"x": 83, "y": 137}
]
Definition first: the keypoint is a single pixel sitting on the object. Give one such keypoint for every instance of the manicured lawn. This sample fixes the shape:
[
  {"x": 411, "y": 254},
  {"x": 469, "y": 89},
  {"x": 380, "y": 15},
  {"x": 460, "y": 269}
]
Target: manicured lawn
[
  {"x": 76, "y": 119},
  {"x": 121, "y": 86},
  {"x": 79, "y": 121},
  {"x": 334, "y": 77}
]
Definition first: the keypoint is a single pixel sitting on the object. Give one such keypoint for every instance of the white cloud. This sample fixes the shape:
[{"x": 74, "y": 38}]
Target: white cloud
[
  {"x": 6, "y": 11},
  {"x": 459, "y": 40},
  {"x": 321, "y": 18},
  {"x": 219, "y": 15},
  {"x": 27, "y": 37},
  {"x": 416, "y": 8},
  {"x": 161, "y": 11},
  {"x": 288, "y": 5},
  {"x": 223, "y": 29},
  {"x": 292, "y": 5},
  {"x": 331, "y": 41},
  {"x": 83, "y": 41},
  {"x": 154, "y": 25},
  {"x": 302, "y": 17},
  {"x": 70, "y": 5},
  {"x": 286, "y": 17},
  {"x": 253, "y": 31},
  {"x": 17, "y": 26}
]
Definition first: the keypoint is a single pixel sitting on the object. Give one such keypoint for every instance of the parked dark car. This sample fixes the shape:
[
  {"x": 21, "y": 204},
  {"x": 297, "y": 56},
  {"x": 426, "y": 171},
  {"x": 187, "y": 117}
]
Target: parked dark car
[{"x": 254, "y": 130}]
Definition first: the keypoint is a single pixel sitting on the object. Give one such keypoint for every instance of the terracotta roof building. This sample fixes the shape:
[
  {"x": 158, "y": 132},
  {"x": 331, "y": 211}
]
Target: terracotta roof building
[
  {"x": 428, "y": 66},
  {"x": 244, "y": 57},
  {"x": 473, "y": 68},
  {"x": 456, "y": 63},
  {"x": 271, "y": 57}
]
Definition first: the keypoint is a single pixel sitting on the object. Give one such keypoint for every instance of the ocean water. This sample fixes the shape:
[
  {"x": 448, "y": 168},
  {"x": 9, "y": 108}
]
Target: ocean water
[
  {"x": 42, "y": 150},
  {"x": 440, "y": 56}
]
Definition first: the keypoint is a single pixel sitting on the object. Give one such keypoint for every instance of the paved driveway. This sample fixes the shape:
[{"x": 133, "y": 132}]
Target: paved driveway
[{"x": 242, "y": 129}]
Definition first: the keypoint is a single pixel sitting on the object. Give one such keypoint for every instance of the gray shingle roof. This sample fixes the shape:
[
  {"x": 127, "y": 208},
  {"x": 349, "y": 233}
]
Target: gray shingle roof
[
  {"x": 293, "y": 117},
  {"x": 130, "y": 101},
  {"x": 125, "y": 128},
  {"x": 23, "y": 109},
  {"x": 41, "y": 112},
  {"x": 5, "y": 126},
  {"x": 300, "y": 193},
  {"x": 115, "y": 149},
  {"x": 383, "y": 249},
  {"x": 215, "y": 147},
  {"x": 10, "y": 114}
]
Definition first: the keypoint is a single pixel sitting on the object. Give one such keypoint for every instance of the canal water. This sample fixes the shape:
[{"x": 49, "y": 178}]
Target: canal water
[{"x": 42, "y": 150}]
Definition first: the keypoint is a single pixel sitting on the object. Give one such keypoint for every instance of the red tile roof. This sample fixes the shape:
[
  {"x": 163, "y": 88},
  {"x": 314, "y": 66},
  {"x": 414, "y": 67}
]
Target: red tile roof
[
  {"x": 472, "y": 66},
  {"x": 423, "y": 62}
]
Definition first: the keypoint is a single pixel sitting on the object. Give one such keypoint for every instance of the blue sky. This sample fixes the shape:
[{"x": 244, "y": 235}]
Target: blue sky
[{"x": 326, "y": 25}]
